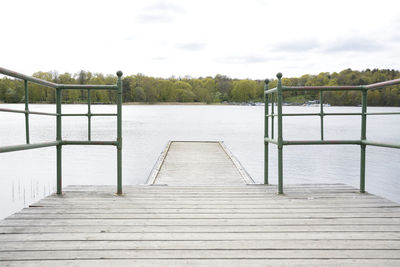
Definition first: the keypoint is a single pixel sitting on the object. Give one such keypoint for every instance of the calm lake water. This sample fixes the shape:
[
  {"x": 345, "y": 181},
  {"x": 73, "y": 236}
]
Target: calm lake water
[{"x": 27, "y": 176}]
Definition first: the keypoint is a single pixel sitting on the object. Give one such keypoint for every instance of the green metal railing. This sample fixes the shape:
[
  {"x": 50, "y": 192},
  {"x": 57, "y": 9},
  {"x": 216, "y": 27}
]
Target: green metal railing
[
  {"x": 59, "y": 143},
  {"x": 271, "y": 94}
]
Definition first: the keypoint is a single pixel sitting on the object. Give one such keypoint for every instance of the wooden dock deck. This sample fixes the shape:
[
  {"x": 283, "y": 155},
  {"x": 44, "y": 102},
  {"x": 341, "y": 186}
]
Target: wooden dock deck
[
  {"x": 204, "y": 225},
  {"x": 198, "y": 163}
]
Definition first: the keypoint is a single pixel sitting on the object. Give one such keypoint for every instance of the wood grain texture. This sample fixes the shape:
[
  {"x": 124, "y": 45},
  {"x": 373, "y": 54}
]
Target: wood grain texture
[
  {"x": 200, "y": 209},
  {"x": 233, "y": 225},
  {"x": 198, "y": 163}
]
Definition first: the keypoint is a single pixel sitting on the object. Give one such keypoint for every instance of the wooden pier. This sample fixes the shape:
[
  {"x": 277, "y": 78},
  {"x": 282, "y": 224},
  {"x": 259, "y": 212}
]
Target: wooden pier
[
  {"x": 187, "y": 222},
  {"x": 198, "y": 163}
]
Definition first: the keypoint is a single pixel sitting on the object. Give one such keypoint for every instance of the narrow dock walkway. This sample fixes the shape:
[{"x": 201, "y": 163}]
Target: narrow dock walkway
[
  {"x": 198, "y": 163},
  {"x": 204, "y": 225}
]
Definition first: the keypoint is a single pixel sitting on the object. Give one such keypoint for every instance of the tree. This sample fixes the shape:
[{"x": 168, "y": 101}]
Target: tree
[
  {"x": 127, "y": 83},
  {"x": 223, "y": 86},
  {"x": 138, "y": 94},
  {"x": 209, "y": 89},
  {"x": 244, "y": 90},
  {"x": 182, "y": 92}
]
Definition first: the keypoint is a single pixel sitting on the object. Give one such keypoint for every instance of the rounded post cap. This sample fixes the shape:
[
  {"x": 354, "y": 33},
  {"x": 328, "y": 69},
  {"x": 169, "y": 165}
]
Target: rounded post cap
[
  {"x": 266, "y": 81},
  {"x": 119, "y": 73},
  {"x": 279, "y": 75}
]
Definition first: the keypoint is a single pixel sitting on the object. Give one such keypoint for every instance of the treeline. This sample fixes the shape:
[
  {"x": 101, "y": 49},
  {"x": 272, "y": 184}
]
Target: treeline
[
  {"x": 141, "y": 88},
  {"x": 389, "y": 96}
]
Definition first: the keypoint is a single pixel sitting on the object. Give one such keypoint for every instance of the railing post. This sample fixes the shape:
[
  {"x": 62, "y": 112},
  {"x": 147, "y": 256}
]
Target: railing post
[
  {"x": 321, "y": 114},
  {"x": 363, "y": 138},
  {"x": 89, "y": 117},
  {"x": 280, "y": 140},
  {"x": 266, "y": 100},
  {"x": 59, "y": 138},
  {"x": 26, "y": 111},
  {"x": 119, "y": 133},
  {"x": 272, "y": 116}
]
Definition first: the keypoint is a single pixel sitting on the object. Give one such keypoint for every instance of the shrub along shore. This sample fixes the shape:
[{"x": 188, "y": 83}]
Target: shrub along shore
[{"x": 204, "y": 90}]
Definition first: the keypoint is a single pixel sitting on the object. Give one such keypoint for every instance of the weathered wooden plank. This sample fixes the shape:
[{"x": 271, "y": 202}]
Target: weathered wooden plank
[
  {"x": 254, "y": 198},
  {"x": 308, "y": 185},
  {"x": 193, "y": 189},
  {"x": 271, "y": 189},
  {"x": 70, "y": 216},
  {"x": 219, "y": 206},
  {"x": 277, "y": 210},
  {"x": 198, "y": 228},
  {"x": 200, "y": 236},
  {"x": 208, "y": 262},
  {"x": 193, "y": 222},
  {"x": 266, "y": 202},
  {"x": 183, "y": 187},
  {"x": 261, "y": 201},
  {"x": 212, "y": 188},
  {"x": 201, "y": 244},
  {"x": 204, "y": 254},
  {"x": 216, "y": 194}
]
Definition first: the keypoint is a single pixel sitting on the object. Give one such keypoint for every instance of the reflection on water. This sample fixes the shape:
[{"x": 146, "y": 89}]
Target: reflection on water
[
  {"x": 25, "y": 192},
  {"x": 27, "y": 176}
]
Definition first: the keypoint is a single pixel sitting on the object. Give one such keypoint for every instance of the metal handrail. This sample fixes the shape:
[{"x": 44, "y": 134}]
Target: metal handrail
[
  {"x": 24, "y": 77},
  {"x": 59, "y": 142},
  {"x": 269, "y": 94}
]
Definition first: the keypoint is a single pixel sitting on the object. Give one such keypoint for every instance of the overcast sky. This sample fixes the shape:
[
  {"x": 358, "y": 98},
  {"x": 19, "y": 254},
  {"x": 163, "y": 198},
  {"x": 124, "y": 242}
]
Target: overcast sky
[{"x": 242, "y": 39}]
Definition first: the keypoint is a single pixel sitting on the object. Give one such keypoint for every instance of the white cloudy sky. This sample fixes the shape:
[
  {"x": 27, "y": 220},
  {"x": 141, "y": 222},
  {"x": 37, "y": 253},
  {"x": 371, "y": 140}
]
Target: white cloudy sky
[{"x": 244, "y": 39}]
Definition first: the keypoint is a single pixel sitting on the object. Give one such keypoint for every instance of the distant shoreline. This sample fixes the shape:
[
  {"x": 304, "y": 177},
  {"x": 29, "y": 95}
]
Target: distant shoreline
[
  {"x": 173, "y": 103},
  {"x": 188, "y": 104}
]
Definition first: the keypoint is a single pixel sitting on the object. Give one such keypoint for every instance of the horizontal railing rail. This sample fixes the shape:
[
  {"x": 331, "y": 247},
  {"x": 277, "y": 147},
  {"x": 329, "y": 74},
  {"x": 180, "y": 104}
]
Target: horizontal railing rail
[
  {"x": 59, "y": 141},
  {"x": 13, "y": 148},
  {"x": 86, "y": 87},
  {"x": 323, "y": 88},
  {"x": 28, "y": 112},
  {"x": 24, "y": 77},
  {"x": 277, "y": 92}
]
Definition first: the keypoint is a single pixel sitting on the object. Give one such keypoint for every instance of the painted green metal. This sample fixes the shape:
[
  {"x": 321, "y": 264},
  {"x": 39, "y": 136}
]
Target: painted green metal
[
  {"x": 5, "y": 149},
  {"x": 272, "y": 116},
  {"x": 363, "y": 143},
  {"x": 363, "y": 137},
  {"x": 59, "y": 139},
  {"x": 59, "y": 142},
  {"x": 323, "y": 88},
  {"x": 280, "y": 137},
  {"x": 89, "y": 115},
  {"x": 321, "y": 105},
  {"x": 86, "y": 87},
  {"x": 266, "y": 107},
  {"x": 27, "y": 78},
  {"x": 371, "y": 143},
  {"x": 270, "y": 91},
  {"x": 343, "y": 114},
  {"x": 381, "y": 85},
  {"x": 104, "y": 114},
  {"x": 322, "y": 142},
  {"x": 319, "y": 114},
  {"x": 86, "y": 114},
  {"x": 26, "y": 111},
  {"x": 300, "y": 114},
  {"x": 88, "y": 143},
  {"x": 119, "y": 133},
  {"x": 270, "y": 140},
  {"x": 383, "y": 113}
]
